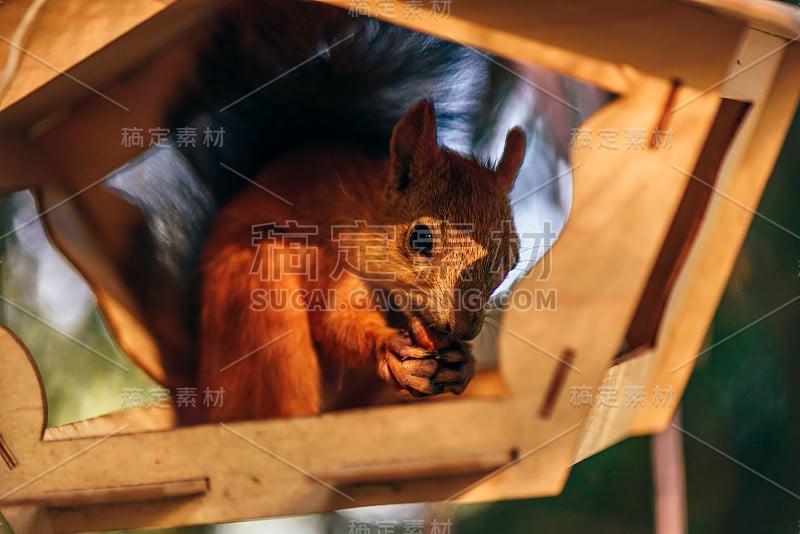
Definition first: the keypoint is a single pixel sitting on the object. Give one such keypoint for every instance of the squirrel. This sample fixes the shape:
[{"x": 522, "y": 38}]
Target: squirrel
[
  {"x": 427, "y": 226},
  {"x": 333, "y": 118}
]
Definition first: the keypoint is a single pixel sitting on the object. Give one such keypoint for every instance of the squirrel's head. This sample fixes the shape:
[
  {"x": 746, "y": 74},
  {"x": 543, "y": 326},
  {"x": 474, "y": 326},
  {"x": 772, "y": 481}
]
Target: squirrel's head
[{"x": 454, "y": 239}]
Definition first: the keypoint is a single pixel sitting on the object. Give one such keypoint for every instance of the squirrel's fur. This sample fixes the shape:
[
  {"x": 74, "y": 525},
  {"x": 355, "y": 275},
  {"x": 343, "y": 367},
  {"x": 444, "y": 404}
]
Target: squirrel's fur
[
  {"x": 269, "y": 353},
  {"x": 330, "y": 115}
]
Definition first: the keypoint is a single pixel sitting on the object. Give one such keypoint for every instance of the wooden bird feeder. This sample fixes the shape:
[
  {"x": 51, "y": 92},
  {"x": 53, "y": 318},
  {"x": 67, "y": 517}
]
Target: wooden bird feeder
[{"x": 641, "y": 264}]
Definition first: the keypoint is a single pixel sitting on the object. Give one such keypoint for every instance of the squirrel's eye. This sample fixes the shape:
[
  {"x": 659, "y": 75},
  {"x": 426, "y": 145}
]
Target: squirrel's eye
[{"x": 421, "y": 240}]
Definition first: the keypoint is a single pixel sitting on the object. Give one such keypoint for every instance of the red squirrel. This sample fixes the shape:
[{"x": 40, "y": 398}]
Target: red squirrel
[
  {"x": 321, "y": 109},
  {"x": 403, "y": 253}
]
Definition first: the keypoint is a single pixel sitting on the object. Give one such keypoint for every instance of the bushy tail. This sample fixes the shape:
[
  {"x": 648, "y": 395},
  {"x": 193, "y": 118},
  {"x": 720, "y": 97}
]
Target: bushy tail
[{"x": 279, "y": 74}]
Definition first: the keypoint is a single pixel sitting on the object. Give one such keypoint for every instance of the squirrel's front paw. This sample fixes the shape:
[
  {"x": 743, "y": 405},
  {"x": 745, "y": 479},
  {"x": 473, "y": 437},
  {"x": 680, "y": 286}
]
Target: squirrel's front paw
[{"x": 419, "y": 372}]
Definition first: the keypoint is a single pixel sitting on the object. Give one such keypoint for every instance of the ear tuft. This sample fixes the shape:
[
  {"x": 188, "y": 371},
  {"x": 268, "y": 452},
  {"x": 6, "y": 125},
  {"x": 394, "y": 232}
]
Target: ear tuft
[
  {"x": 513, "y": 154},
  {"x": 413, "y": 136}
]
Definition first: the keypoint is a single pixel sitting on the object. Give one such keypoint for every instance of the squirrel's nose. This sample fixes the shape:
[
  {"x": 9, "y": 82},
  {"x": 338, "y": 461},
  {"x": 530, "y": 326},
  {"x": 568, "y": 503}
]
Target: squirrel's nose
[{"x": 466, "y": 325}]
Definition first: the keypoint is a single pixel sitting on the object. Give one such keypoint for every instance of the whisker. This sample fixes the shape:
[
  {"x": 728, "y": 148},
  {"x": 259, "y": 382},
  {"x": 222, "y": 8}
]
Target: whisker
[{"x": 533, "y": 247}]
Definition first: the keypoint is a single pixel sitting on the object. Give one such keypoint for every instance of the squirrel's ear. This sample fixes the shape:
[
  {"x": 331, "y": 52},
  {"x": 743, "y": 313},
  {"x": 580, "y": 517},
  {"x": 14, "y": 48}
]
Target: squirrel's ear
[
  {"x": 414, "y": 137},
  {"x": 511, "y": 161}
]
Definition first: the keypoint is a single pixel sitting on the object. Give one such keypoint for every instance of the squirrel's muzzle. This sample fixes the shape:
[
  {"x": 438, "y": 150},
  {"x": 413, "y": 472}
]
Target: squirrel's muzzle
[{"x": 462, "y": 324}]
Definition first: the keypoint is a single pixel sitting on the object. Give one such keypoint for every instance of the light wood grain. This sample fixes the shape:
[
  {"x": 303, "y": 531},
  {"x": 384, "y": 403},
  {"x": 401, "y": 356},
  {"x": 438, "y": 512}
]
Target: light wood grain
[{"x": 64, "y": 34}]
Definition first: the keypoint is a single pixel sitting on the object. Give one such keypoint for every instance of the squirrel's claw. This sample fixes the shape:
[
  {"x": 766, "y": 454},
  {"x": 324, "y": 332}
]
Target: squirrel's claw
[
  {"x": 419, "y": 372},
  {"x": 454, "y": 378},
  {"x": 403, "y": 347},
  {"x": 453, "y": 354}
]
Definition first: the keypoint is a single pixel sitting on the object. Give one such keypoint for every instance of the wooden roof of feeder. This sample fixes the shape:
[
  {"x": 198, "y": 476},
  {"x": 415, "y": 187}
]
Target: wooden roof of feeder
[{"x": 643, "y": 260}]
